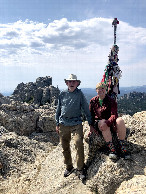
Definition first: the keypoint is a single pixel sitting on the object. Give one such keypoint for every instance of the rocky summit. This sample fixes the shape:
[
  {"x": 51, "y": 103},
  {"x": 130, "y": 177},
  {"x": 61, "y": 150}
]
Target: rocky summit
[
  {"x": 36, "y": 93},
  {"x": 31, "y": 159}
]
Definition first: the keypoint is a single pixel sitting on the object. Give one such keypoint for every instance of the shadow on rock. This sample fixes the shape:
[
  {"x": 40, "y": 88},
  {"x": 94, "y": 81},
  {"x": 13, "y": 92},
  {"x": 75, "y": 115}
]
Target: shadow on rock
[
  {"x": 105, "y": 175},
  {"x": 51, "y": 137},
  {"x": 17, "y": 151}
]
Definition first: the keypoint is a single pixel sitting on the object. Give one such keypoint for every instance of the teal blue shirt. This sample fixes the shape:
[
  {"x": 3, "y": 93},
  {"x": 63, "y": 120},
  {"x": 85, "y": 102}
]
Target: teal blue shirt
[{"x": 71, "y": 106}]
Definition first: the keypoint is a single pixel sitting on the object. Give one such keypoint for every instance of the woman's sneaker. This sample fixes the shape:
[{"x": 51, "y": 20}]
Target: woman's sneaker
[
  {"x": 112, "y": 151},
  {"x": 68, "y": 171},
  {"x": 124, "y": 153}
]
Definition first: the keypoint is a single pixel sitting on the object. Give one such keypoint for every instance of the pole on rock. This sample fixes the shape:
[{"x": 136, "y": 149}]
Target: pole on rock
[{"x": 112, "y": 72}]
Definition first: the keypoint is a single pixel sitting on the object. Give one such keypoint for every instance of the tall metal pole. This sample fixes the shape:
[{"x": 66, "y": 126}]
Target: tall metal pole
[
  {"x": 114, "y": 23},
  {"x": 112, "y": 72}
]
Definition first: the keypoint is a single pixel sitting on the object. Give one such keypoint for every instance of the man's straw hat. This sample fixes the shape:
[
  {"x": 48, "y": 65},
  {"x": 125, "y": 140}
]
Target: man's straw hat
[{"x": 72, "y": 77}]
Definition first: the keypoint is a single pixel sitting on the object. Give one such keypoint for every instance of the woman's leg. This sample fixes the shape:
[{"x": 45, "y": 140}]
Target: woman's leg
[{"x": 121, "y": 129}]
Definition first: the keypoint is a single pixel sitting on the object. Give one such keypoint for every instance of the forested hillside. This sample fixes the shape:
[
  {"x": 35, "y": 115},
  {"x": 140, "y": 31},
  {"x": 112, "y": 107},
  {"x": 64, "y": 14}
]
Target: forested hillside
[{"x": 132, "y": 103}]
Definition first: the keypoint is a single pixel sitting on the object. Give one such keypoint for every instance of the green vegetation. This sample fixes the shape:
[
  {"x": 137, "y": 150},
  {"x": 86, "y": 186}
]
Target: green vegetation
[{"x": 132, "y": 103}]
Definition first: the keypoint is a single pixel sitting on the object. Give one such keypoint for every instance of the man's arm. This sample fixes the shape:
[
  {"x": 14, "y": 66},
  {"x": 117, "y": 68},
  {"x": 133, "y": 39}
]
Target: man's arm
[
  {"x": 58, "y": 112},
  {"x": 57, "y": 129}
]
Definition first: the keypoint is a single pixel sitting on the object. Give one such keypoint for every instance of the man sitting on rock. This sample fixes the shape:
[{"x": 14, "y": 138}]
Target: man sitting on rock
[
  {"x": 69, "y": 120},
  {"x": 106, "y": 122}
]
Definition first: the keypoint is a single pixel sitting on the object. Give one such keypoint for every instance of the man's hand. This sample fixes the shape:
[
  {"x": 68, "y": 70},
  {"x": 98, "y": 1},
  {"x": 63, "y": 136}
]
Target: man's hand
[{"x": 57, "y": 129}]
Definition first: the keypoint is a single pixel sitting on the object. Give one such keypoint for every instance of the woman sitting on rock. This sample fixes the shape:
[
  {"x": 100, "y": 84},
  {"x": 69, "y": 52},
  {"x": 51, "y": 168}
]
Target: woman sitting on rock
[{"x": 105, "y": 120}]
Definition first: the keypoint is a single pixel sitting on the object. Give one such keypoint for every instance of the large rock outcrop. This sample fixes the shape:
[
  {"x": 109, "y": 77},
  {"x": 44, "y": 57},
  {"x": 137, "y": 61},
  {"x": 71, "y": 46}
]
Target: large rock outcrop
[
  {"x": 24, "y": 119},
  {"x": 31, "y": 107},
  {"x": 31, "y": 158},
  {"x": 37, "y": 93},
  {"x": 42, "y": 172},
  {"x": 18, "y": 117}
]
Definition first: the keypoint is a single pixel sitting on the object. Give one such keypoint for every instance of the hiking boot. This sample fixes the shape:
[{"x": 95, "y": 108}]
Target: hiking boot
[
  {"x": 68, "y": 171},
  {"x": 81, "y": 175},
  {"x": 112, "y": 150},
  {"x": 124, "y": 153}
]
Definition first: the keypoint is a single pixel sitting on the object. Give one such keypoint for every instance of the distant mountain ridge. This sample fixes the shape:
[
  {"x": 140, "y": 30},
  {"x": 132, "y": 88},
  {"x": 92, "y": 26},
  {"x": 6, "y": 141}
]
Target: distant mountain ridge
[
  {"x": 126, "y": 90},
  {"x": 90, "y": 92},
  {"x": 7, "y": 93}
]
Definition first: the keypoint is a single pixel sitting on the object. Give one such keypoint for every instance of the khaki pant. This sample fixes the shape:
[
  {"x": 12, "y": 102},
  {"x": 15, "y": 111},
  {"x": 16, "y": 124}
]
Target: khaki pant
[{"x": 65, "y": 138}]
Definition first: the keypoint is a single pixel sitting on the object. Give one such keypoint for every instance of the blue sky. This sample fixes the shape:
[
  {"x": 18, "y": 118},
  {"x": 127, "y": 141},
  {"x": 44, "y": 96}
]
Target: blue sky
[{"x": 58, "y": 37}]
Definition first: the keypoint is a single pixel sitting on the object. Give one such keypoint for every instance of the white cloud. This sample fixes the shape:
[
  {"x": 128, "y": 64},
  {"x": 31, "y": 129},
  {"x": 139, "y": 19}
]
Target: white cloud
[{"x": 63, "y": 46}]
